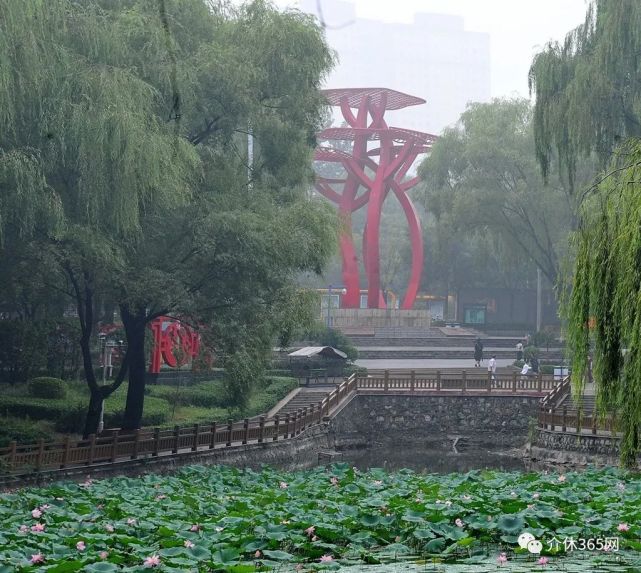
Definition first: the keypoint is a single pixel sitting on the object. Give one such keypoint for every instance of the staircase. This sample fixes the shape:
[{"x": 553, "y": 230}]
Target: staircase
[{"x": 304, "y": 398}]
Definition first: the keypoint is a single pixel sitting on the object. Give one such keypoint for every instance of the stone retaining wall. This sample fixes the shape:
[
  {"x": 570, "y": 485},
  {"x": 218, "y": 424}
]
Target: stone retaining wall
[
  {"x": 447, "y": 422},
  {"x": 573, "y": 449}
]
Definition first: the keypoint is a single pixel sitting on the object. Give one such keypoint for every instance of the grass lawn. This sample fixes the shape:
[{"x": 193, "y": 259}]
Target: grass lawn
[{"x": 27, "y": 419}]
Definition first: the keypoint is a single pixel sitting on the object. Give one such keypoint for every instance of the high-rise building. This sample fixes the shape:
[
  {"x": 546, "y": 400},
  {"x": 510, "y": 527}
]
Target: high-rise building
[{"x": 434, "y": 58}]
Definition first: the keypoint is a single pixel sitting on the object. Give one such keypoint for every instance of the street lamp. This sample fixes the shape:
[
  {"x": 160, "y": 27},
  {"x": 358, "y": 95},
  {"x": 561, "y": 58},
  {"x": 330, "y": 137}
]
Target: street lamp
[{"x": 329, "y": 303}]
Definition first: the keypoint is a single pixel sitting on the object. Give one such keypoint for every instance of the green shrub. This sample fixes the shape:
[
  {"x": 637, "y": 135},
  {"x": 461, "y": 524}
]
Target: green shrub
[
  {"x": 23, "y": 431},
  {"x": 34, "y": 408},
  {"x": 205, "y": 394},
  {"x": 47, "y": 387}
]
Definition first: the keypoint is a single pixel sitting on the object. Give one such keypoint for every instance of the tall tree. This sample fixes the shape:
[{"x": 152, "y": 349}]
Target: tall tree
[
  {"x": 588, "y": 94},
  {"x": 482, "y": 179},
  {"x": 123, "y": 137}
]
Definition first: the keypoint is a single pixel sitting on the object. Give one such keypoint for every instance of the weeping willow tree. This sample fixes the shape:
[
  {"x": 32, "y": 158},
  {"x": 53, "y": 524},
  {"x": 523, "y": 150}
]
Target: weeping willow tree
[
  {"x": 588, "y": 100},
  {"x": 588, "y": 88},
  {"x": 604, "y": 307},
  {"x": 84, "y": 157},
  {"x": 123, "y": 146}
]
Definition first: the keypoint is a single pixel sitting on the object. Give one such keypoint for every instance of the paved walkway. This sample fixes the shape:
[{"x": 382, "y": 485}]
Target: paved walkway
[
  {"x": 486, "y": 350},
  {"x": 417, "y": 363}
]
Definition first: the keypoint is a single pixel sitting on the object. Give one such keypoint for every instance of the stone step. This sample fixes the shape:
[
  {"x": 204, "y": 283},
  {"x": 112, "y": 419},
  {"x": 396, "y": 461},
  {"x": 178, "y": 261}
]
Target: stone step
[
  {"x": 304, "y": 399},
  {"x": 445, "y": 353},
  {"x": 449, "y": 341}
]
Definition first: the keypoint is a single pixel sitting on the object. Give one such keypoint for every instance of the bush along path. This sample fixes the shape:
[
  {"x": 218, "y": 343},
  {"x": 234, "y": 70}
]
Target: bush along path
[{"x": 225, "y": 519}]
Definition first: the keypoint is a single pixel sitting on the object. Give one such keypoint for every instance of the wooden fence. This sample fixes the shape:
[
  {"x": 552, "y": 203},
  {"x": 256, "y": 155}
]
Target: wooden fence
[
  {"x": 575, "y": 422},
  {"x": 113, "y": 446}
]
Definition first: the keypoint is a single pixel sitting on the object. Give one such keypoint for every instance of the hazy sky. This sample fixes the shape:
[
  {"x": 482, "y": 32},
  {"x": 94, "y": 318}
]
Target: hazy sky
[{"x": 517, "y": 28}]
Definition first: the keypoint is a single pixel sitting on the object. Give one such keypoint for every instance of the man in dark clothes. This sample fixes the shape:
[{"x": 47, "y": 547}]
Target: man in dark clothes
[{"x": 478, "y": 352}]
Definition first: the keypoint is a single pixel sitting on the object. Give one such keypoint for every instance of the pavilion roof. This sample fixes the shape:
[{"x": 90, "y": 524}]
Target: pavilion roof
[{"x": 395, "y": 99}]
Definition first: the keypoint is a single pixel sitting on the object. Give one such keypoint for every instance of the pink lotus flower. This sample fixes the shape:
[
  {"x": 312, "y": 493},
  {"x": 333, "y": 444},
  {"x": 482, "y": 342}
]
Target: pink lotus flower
[
  {"x": 152, "y": 561},
  {"x": 60, "y": 499},
  {"x": 131, "y": 521},
  {"x": 285, "y": 522},
  {"x": 283, "y": 485},
  {"x": 188, "y": 544},
  {"x": 219, "y": 529},
  {"x": 458, "y": 522},
  {"x": 397, "y": 538},
  {"x": 314, "y": 538},
  {"x": 161, "y": 496},
  {"x": 103, "y": 555},
  {"x": 37, "y": 558},
  {"x": 334, "y": 480},
  {"x": 621, "y": 486},
  {"x": 258, "y": 554},
  {"x": 80, "y": 546},
  {"x": 36, "y": 514},
  {"x": 45, "y": 507},
  {"x": 310, "y": 530},
  {"x": 448, "y": 502},
  {"x": 378, "y": 482},
  {"x": 623, "y": 527},
  {"x": 562, "y": 478},
  {"x": 530, "y": 506},
  {"x": 326, "y": 559},
  {"x": 38, "y": 527},
  {"x": 87, "y": 483},
  {"x": 109, "y": 528},
  {"x": 513, "y": 494},
  {"x": 502, "y": 558},
  {"x": 299, "y": 567},
  {"x": 536, "y": 495},
  {"x": 23, "y": 529},
  {"x": 543, "y": 561},
  {"x": 467, "y": 497},
  {"x": 194, "y": 527}
]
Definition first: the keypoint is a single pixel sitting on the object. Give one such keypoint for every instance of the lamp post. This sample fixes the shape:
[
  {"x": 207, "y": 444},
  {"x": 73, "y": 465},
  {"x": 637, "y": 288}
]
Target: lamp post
[{"x": 329, "y": 303}]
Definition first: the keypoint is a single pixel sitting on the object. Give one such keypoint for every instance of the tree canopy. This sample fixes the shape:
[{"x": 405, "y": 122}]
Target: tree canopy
[
  {"x": 124, "y": 131},
  {"x": 588, "y": 99},
  {"x": 482, "y": 184},
  {"x": 588, "y": 88}
]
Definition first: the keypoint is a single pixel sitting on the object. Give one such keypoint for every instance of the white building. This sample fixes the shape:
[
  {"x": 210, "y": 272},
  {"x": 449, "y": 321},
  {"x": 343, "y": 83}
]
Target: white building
[{"x": 434, "y": 58}]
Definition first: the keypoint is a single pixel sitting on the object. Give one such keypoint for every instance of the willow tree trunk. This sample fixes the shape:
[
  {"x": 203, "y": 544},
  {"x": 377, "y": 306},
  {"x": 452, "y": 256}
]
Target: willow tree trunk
[{"x": 135, "y": 323}]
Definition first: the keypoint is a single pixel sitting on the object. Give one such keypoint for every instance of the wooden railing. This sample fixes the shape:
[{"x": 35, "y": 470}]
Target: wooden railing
[
  {"x": 575, "y": 422},
  {"x": 557, "y": 393},
  {"x": 461, "y": 382},
  {"x": 114, "y": 447}
]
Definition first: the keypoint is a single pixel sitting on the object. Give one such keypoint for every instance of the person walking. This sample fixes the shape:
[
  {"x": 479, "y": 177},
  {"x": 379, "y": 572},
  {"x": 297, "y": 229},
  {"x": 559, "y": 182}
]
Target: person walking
[
  {"x": 491, "y": 367},
  {"x": 519, "y": 350},
  {"x": 478, "y": 353}
]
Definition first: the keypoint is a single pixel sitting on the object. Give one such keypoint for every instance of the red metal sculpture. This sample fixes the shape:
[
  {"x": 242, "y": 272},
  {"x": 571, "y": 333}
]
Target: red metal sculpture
[
  {"x": 174, "y": 343},
  {"x": 396, "y": 150}
]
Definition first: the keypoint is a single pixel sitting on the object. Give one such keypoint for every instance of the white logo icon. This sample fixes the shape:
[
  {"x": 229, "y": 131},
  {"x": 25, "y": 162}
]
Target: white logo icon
[
  {"x": 525, "y": 538},
  {"x": 529, "y": 542}
]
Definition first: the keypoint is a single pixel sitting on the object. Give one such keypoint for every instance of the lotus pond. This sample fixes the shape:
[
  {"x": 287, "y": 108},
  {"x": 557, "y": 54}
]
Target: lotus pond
[{"x": 225, "y": 519}]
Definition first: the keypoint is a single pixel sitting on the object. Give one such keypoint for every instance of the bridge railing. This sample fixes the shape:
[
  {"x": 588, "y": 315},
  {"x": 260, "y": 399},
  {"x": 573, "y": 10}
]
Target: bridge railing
[
  {"x": 573, "y": 421},
  {"x": 465, "y": 381},
  {"x": 114, "y": 446}
]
